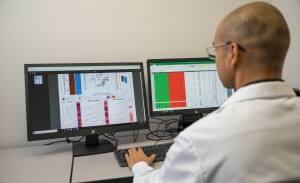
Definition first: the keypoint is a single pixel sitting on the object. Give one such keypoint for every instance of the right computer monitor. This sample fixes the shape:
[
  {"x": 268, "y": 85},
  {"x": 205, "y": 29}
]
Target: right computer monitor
[{"x": 184, "y": 86}]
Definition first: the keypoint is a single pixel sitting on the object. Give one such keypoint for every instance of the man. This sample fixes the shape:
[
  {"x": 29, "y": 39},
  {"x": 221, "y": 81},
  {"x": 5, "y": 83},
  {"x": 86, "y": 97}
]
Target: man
[{"x": 255, "y": 135}]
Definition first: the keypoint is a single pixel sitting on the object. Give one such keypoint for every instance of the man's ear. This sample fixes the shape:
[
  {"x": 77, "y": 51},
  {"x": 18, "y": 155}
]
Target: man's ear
[{"x": 233, "y": 53}]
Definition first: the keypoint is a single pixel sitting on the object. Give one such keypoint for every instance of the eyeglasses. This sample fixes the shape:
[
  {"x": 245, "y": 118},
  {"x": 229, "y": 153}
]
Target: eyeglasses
[{"x": 211, "y": 51}]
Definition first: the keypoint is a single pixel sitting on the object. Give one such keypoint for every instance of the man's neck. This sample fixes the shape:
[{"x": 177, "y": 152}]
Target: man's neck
[{"x": 245, "y": 78}]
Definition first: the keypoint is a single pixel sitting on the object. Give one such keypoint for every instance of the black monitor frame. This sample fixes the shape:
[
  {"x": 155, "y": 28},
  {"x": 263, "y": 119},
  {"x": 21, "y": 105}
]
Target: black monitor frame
[
  {"x": 188, "y": 115},
  {"x": 93, "y": 131}
]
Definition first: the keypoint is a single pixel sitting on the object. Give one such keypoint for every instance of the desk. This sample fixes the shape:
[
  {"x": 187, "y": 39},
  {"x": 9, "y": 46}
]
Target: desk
[
  {"x": 53, "y": 164},
  {"x": 36, "y": 164},
  {"x": 104, "y": 166}
]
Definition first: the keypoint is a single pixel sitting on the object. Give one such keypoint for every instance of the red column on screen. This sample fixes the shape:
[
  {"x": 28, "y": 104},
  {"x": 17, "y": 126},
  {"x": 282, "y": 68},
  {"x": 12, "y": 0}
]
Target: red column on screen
[
  {"x": 72, "y": 84},
  {"x": 79, "y": 115},
  {"x": 177, "y": 89},
  {"x": 106, "y": 112}
]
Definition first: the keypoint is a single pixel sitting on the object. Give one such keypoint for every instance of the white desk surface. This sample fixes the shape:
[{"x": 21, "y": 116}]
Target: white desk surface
[
  {"x": 53, "y": 164},
  {"x": 104, "y": 166},
  {"x": 36, "y": 164}
]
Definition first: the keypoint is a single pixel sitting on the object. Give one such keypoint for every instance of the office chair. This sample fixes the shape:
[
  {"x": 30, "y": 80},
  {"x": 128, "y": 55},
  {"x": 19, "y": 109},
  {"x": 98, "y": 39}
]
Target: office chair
[
  {"x": 117, "y": 180},
  {"x": 297, "y": 91},
  {"x": 289, "y": 181}
]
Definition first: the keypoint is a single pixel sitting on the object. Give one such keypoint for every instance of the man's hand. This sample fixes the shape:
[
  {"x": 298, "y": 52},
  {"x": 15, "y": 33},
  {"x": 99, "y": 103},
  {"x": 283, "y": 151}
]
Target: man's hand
[{"x": 137, "y": 156}]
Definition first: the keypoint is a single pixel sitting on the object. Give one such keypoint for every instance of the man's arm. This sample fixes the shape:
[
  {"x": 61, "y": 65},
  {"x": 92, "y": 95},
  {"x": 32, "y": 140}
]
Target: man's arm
[{"x": 182, "y": 164}]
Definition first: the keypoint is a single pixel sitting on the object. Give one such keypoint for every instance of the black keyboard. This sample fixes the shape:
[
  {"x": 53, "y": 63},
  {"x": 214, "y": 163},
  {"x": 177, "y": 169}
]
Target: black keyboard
[{"x": 160, "y": 150}]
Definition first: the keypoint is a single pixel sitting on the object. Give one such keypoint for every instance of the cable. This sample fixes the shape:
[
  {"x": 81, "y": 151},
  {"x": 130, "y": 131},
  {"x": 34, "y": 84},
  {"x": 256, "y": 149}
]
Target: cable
[
  {"x": 67, "y": 140},
  {"x": 167, "y": 133},
  {"x": 113, "y": 139},
  {"x": 117, "y": 141},
  {"x": 158, "y": 137},
  {"x": 135, "y": 136},
  {"x": 170, "y": 129},
  {"x": 55, "y": 142},
  {"x": 75, "y": 141}
]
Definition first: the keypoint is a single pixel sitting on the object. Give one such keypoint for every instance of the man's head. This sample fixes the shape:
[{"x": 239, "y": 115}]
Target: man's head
[{"x": 259, "y": 39}]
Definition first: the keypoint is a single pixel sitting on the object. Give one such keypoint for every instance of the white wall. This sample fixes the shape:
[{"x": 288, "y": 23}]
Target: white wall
[
  {"x": 51, "y": 31},
  {"x": 290, "y": 10}
]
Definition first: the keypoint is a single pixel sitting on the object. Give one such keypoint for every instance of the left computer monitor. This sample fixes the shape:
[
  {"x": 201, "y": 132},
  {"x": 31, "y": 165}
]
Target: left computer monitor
[{"x": 67, "y": 100}]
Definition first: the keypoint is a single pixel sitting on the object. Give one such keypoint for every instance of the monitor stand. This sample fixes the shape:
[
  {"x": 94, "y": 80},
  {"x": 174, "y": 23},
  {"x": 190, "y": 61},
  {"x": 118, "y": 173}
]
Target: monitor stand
[
  {"x": 92, "y": 145},
  {"x": 187, "y": 119}
]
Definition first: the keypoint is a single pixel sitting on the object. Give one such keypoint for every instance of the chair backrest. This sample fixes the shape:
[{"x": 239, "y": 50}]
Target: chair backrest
[
  {"x": 289, "y": 181},
  {"x": 297, "y": 91}
]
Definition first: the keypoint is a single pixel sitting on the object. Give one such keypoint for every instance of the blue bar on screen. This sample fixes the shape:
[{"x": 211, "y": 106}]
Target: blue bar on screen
[{"x": 78, "y": 84}]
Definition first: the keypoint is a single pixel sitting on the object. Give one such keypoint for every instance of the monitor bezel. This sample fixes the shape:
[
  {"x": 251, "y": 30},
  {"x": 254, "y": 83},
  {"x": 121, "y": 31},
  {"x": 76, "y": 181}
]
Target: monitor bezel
[
  {"x": 88, "y": 130},
  {"x": 194, "y": 111}
]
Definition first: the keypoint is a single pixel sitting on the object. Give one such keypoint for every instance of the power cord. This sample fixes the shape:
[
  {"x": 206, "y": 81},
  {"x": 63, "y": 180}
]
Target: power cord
[
  {"x": 67, "y": 140},
  {"x": 135, "y": 136},
  {"x": 113, "y": 138},
  {"x": 167, "y": 133}
]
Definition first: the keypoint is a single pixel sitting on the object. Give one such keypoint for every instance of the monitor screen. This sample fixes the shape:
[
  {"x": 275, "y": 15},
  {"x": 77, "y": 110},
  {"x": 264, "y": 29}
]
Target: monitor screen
[
  {"x": 65, "y": 100},
  {"x": 184, "y": 86}
]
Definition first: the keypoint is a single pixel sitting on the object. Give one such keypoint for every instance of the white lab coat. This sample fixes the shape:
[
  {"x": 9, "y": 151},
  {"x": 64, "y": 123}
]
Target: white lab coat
[{"x": 253, "y": 138}]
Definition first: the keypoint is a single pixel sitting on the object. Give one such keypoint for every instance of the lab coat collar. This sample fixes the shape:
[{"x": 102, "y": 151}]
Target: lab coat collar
[{"x": 263, "y": 90}]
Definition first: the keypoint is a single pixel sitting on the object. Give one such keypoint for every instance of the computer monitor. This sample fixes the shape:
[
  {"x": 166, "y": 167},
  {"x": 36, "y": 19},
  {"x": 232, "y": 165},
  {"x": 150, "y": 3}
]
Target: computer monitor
[
  {"x": 184, "y": 86},
  {"x": 86, "y": 99}
]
